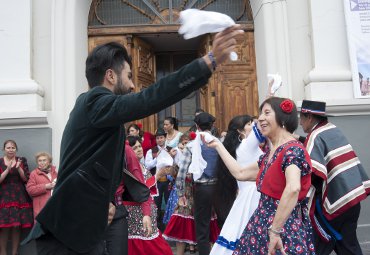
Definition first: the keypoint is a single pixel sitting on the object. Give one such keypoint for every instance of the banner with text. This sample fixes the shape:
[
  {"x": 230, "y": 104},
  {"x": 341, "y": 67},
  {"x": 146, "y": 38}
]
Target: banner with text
[{"x": 357, "y": 13}]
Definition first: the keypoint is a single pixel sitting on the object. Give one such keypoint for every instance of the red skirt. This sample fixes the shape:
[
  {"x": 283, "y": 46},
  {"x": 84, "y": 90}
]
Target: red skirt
[
  {"x": 182, "y": 229},
  {"x": 214, "y": 230},
  {"x": 156, "y": 246}
]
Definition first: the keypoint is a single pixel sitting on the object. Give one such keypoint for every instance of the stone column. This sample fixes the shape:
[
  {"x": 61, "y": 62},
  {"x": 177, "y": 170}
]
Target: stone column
[
  {"x": 69, "y": 52},
  {"x": 272, "y": 44},
  {"x": 331, "y": 69},
  {"x": 18, "y": 91}
]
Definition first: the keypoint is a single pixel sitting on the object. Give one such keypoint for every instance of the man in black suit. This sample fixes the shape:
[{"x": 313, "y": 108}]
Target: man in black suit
[{"x": 92, "y": 149}]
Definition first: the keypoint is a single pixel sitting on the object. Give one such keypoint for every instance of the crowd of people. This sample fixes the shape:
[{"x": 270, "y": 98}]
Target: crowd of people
[{"x": 121, "y": 190}]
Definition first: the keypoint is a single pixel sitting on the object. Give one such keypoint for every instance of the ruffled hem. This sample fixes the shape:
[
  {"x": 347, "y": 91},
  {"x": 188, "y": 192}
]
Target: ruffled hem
[
  {"x": 16, "y": 224},
  {"x": 230, "y": 245},
  {"x": 157, "y": 246},
  {"x": 181, "y": 229}
]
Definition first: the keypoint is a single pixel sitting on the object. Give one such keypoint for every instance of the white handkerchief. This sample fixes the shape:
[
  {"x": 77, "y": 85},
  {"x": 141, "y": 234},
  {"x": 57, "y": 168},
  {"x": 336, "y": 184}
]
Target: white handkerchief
[
  {"x": 198, "y": 164},
  {"x": 277, "y": 82},
  {"x": 164, "y": 159},
  {"x": 195, "y": 22}
]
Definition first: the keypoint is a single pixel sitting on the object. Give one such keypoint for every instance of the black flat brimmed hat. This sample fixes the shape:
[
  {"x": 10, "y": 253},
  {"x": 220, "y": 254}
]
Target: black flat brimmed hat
[
  {"x": 160, "y": 131},
  {"x": 314, "y": 107},
  {"x": 204, "y": 118}
]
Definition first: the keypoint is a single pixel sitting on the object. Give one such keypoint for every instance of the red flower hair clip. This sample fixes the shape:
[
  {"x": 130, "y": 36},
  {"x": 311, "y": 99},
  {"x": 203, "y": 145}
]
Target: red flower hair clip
[
  {"x": 139, "y": 125},
  {"x": 287, "y": 106},
  {"x": 192, "y": 135}
]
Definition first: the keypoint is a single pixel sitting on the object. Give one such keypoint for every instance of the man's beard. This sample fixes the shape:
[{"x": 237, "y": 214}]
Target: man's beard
[{"x": 120, "y": 88}]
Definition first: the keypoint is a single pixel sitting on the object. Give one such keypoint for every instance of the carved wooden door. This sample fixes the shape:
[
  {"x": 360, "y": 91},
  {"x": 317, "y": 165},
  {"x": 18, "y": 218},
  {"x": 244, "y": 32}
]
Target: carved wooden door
[
  {"x": 99, "y": 40},
  {"x": 237, "y": 90},
  {"x": 143, "y": 68},
  {"x": 232, "y": 90}
]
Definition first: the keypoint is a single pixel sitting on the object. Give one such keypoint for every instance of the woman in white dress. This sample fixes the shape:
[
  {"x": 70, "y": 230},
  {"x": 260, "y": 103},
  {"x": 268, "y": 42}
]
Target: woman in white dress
[{"x": 245, "y": 193}]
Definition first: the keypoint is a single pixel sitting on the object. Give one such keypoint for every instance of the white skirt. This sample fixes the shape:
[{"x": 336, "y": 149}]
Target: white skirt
[{"x": 244, "y": 206}]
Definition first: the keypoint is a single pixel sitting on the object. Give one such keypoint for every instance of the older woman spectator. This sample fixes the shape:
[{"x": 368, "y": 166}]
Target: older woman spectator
[
  {"x": 283, "y": 175},
  {"x": 42, "y": 181},
  {"x": 15, "y": 204}
]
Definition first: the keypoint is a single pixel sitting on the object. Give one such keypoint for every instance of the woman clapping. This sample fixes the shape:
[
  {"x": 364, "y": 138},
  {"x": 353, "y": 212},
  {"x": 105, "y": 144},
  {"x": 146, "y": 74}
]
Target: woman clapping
[{"x": 15, "y": 204}]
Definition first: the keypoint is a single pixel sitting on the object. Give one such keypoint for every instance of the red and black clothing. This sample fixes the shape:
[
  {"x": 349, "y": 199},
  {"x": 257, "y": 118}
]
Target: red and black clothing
[{"x": 15, "y": 203}]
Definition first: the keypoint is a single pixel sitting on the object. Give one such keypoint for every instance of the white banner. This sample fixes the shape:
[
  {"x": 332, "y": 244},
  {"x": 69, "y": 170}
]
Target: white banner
[{"x": 357, "y": 13}]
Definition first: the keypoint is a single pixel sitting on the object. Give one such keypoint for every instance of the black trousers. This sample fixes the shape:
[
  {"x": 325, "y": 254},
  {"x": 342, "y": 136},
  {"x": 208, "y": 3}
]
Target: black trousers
[
  {"x": 203, "y": 202},
  {"x": 116, "y": 237},
  {"x": 48, "y": 245},
  {"x": 162, "y": 191},
  {"x": 346, "y": 225}
]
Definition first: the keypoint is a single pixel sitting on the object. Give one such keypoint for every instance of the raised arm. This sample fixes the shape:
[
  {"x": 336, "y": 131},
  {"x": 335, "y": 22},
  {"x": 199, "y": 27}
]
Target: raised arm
[{"x": 247, "y": 173}]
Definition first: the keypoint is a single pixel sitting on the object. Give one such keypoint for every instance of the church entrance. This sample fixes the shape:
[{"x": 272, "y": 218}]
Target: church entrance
[{"x": 148, "y": 29}]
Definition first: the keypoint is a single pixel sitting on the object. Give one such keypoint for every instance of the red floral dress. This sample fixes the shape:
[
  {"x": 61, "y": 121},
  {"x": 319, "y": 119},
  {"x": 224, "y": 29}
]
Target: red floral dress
[
  {"x": 15, "y": 203},
  {"x": 297, "y": 235}
]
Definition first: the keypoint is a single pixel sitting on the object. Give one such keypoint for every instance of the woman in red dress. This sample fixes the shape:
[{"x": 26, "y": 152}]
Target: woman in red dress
[
  {"x": 15, "y": 204},
  {"x": 147, "y": 138},
  {"x": 280, "y": 224}
]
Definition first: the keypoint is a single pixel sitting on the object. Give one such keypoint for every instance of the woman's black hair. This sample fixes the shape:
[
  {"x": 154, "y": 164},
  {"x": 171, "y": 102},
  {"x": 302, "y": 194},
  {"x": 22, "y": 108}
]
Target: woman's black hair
[
  {"x": 226, "y": 186},
  {"x": 132, "y": 140},
  {"x": 10, "y": 141},
  {"x": 141, "y": 132},
  {"x": 283, "y": 119},
  {"x": 174, "y": 122}
]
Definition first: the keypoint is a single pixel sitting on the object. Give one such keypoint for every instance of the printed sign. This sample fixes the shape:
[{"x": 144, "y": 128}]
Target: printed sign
[{"x": 357, "y": 13}]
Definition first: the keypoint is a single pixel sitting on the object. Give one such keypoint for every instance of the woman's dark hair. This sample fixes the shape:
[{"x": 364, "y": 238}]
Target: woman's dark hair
[
  {"x": 132, "y": 140},
  {"x": 174, "y": 122},
  {"x": 226, "y": 186},
  {"x": 283, "y": 119},
  {"x": 107, "y": 56},
  {"x": 10, "y": 141},
  {"x": 141, "y": 132}
]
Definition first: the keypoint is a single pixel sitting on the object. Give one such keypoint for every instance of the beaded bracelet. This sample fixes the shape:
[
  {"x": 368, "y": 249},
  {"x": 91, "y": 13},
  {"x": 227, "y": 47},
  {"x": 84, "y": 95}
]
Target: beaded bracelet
[
  {"x": 213, "y": 60},
  {"x": 276, "y": 232}
]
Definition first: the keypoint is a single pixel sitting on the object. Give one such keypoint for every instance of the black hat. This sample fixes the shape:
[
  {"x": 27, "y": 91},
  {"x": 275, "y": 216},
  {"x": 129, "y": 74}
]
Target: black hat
[
  {"x": 160, "y": 132},
  {"x": 204, "y": 118},
  {"x": 313, "y": 107}
]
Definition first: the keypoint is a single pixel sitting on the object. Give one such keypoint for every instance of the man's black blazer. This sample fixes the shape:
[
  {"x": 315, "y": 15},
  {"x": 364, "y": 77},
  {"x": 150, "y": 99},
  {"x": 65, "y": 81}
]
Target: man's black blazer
[{"x": 92, "y": 151}]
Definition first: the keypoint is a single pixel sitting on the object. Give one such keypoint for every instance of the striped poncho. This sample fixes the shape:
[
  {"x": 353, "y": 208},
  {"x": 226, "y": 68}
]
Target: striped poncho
[{"x": 343, "y": 180}]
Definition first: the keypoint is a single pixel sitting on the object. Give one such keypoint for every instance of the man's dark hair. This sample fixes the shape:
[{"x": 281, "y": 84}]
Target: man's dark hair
[
  {"x": 206, "y": 126},
  {"x": 199, "y": 110},
  {"x": 107, "y": 56},
  {"x": 283, "y": 119}
]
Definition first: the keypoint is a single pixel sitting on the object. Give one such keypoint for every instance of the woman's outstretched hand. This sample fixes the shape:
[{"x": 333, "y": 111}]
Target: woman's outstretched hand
[{"x": 214, "y": 143}]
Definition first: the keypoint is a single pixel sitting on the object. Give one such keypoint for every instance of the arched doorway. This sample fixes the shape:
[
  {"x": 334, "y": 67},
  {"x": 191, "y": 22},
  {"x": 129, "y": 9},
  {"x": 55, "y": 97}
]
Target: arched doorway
[{"x": 148, "y": 28}]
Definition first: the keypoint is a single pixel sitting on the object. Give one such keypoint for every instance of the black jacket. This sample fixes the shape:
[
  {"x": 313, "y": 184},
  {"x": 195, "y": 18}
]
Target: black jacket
[{"x": 92, "y": 151}]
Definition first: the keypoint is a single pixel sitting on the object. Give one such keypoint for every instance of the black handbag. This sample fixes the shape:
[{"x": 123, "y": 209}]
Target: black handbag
[{"x": 134, "y": 190}]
